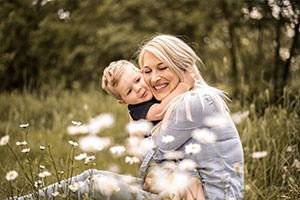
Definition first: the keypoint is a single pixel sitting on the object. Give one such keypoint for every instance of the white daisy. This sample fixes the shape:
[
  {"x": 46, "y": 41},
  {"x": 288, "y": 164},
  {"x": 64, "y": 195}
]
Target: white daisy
[
  {"x": 238, "y": 117},
  {"x": 24, "y": 125},
  {"x": 81, "y": 156},
  {"x": 216, "y": 121},
  {"x": 173, "y": 155},
  {"x": 42, "y": 148},
  {"x": 259, "y": 154},
  {"x": 167, "y": 139},
  {"x": 118, "y": 150},
  {"x": 187, "y": 165},
  {"x": 77, "y": 130},
  {"x": 93, "y": 143},
  {"x": 106, "y": 185},
  {"x": 140, "y": 127},
  {"x": 4, "y": 140},
  {"x": 75, "y": 144},
  {"x": 21, "y": 143},
  {"x": 26, "y": 150},
  {"x": 44, "y": 174},
  {"x": 89, "y": 159},
  {"x": 192, "y": 148},
  {"x": 11, "y": 175},
  {"x": 76, "y": 123},
  {"x": 204, "y": 135},
  {"x": 131, "y": 160},
  {"x": 73, "y": 188},
  {"x": 169, "y": 180},
  {"x": 100, "y": 122}
]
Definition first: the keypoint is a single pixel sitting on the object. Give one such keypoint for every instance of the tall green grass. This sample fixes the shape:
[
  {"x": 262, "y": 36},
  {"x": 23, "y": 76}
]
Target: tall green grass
[{"x": 270, "y": 128}]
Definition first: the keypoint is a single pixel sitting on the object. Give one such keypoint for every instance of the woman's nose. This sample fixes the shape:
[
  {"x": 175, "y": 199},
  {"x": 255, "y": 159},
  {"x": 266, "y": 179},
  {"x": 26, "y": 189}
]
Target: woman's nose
[{"x": 155, "y": 77}]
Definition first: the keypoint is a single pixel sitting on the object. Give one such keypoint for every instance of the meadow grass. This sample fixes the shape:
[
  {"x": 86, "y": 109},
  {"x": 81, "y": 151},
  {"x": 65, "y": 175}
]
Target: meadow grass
[{"x": 270, "y": 128}]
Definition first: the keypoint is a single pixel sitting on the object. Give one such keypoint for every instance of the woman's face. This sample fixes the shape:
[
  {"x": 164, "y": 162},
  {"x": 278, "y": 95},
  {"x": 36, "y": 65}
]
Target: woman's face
[{"x": 160, "y": 78}]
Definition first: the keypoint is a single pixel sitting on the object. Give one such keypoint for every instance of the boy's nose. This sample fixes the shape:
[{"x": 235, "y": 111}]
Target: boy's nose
[{"x": 137, "y": 88}]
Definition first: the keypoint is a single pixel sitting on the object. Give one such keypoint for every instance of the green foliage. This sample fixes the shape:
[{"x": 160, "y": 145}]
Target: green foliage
[{"x": 67, "y": 44}]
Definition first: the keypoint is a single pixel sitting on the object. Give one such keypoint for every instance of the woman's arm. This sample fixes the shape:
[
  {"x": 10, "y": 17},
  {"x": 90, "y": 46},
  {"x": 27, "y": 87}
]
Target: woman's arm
[{"x": 155, "y": 111}]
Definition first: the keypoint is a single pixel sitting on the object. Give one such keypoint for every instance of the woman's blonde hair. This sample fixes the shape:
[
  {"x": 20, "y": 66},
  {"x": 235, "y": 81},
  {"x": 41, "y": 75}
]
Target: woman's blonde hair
[{"x": 180, "y": 57}]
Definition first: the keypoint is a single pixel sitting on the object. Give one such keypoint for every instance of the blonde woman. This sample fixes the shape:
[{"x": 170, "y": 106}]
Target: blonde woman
[{"x": 194, "y": 121}]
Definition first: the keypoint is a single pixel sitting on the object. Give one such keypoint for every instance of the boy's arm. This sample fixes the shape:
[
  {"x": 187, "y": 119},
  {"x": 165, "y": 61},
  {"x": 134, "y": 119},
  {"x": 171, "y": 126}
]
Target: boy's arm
[{"x": 155, "y": 110}]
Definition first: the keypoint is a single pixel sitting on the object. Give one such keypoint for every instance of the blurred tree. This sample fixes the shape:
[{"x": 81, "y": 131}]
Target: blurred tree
[{"x": 247, "y": 46}]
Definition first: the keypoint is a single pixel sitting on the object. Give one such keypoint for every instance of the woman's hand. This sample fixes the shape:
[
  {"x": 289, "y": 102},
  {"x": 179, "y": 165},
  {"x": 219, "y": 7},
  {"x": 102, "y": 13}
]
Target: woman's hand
[{"x": 189, "y": 79}]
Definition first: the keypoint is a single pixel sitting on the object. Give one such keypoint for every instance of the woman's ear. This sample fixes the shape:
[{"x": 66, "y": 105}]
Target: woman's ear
[{"x": 121, "y": 102}]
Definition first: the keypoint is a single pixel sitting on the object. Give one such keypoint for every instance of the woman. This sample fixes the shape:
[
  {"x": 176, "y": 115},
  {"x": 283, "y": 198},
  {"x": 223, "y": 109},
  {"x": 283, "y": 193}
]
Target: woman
[{"x": 164, "y": 60}]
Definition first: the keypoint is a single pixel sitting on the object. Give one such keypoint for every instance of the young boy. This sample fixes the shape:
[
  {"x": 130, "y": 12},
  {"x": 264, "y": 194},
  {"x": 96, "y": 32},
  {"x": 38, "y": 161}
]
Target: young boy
[{"x": 125, "y": 82}]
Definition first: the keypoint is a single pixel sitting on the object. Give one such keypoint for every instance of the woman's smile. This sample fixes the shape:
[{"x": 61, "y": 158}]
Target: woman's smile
[{"x": 161, "y": 79}]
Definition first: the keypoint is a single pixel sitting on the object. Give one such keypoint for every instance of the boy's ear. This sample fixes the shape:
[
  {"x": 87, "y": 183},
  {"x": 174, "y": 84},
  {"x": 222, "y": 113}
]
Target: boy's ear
[{"x": 121, "y": 102}]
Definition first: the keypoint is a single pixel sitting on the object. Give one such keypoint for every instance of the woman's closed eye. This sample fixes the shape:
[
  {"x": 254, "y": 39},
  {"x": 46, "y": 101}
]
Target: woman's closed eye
[
  {"x": 162, "y": 68},
  {"x": 147, "y": 71},
  {"x": 138, "y": 80}
]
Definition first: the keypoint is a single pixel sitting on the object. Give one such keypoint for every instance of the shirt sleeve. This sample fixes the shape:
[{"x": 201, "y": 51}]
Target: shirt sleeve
[{"x": 140, "y": 111}]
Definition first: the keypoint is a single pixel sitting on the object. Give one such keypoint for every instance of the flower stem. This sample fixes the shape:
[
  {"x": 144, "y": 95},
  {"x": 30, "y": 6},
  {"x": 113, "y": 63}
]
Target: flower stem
[{"x": 21, "y": 166}]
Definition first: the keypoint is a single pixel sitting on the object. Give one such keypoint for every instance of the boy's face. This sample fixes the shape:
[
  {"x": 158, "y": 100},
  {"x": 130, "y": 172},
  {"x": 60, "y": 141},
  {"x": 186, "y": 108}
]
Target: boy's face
[{"x": 132, "y": 88}]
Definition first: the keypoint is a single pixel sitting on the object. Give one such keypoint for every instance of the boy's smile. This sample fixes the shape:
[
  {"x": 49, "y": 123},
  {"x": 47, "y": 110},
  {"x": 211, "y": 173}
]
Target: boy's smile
[{"x": 133, "y": 88}]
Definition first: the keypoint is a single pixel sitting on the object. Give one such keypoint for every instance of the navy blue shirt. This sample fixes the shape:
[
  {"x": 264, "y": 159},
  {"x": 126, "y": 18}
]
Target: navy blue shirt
[{"x": 139, "y": 111}]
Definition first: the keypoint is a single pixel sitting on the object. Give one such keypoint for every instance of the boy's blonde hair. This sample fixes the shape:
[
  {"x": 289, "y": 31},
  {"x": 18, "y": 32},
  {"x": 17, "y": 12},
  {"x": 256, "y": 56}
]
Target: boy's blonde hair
[{"x": 112, "y": 75}]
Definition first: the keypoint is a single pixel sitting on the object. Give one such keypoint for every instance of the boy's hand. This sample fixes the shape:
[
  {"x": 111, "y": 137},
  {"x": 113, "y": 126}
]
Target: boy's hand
[{"x": 189, "y": 79}]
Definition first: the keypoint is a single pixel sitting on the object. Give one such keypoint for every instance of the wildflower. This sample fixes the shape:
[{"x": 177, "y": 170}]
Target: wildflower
[
  {"x": 21, "y": 143},
  {"x": 75, "y": 144},
  {"x": 289, "y": 149},
  {"x": 77, "y": 123},
  {"x": 11, "y": 175},
  {"x": 131, "y": 160},
  {"x": 138, "y": 145},
  {"x": 167, "y": 139},
  {"x": 85, "y": 106},
  {"x": 296, "y": 164},
  {"x": 204, "y": 135},
  {"x": 216, "y": 121},
  {"x": 93, "y": 143},
  {"x": 26, "y": 150},
  {"x": 81, "y": 156},
  {"x": 44, "y": 174},
  {"x": 192, "y": 148},
  {"x": 237, "y": 118},
  {"x": 60, "y": 172},
  {"x": 237, "y": 167},
  {"x": 117, "y": 150},
  {"x": 79, "y": 184},
  {"x": 255, "y": 14},
  {"x": 4, "y": 140},
  {"x": 100, "y": 122},
  {"x": 38, "y": 184},
  {"x": 169, "y": 180},
  {"x": 55, "y": 194},
  {"x": 42, "y": 148},
  {"x": 76, "y": 130},
  {"x": 42, "y": 167},
  {"x": 89, "y": 159},
  {"x": 187, "y": 165},
  {"x": 73, "y": 188},
  {"x": 106, "y": 185},
  {"x": 24, "y": 125},
  {"x": 140, "y": 127},
  {"x": 173, "y": 155},
  {"x": 259, "y": 154}
]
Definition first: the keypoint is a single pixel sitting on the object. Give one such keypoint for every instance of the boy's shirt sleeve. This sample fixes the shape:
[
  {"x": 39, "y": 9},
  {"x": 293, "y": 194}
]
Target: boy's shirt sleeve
[{"x": 139, "y": 111}]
